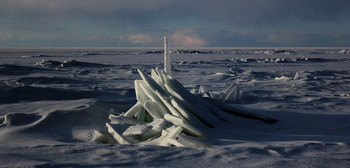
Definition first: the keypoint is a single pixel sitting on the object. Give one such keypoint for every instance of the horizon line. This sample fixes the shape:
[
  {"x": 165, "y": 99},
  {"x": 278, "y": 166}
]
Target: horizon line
[{"x": 161, "y": 47}]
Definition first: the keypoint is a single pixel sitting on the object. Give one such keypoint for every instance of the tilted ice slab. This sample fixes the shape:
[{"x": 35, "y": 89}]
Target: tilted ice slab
[{"x": 166, "y": 114}]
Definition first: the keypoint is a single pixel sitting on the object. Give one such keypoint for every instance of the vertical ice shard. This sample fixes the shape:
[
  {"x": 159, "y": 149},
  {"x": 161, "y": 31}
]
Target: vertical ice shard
[
  {"x": 296, "y": 77},
  {"x": 231, "y": 95},
  {"x": 167, "y": 63}
]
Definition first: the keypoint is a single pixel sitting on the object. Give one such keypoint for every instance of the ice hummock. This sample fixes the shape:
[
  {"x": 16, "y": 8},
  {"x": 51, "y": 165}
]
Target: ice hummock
[
  {"x": 166, "y": 114},
  {"x": 181, "y": 118}
]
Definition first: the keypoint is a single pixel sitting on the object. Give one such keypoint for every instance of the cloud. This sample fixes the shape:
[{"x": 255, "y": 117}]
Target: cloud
[
  {"x": 232, "y": 12},
  {"x": 187, "y": 38},
  {"x": 257, "y": 12},
  {"x": 187, "y": 22},
  {"x": 155, "y": 12},
  {"x": 178, "y": 38},
  {"x": 141, "y": 39},
  {"x": 87, "y": 6}
]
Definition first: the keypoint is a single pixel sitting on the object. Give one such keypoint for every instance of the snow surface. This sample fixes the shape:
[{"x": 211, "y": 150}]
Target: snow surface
[{"x": 55, "y": 101}]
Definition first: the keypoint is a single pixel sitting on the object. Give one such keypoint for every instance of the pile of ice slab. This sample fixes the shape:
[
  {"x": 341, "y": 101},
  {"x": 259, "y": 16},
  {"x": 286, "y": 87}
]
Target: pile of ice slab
[{"x": 166, "y": 114}]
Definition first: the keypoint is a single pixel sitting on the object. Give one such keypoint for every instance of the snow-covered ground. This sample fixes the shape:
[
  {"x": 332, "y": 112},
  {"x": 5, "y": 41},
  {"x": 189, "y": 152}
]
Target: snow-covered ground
[{"x": 53, "y": 101}]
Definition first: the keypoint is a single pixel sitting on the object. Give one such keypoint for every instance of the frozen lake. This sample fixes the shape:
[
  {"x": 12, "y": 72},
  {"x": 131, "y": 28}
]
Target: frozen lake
[{"x": 54, "y": 98}]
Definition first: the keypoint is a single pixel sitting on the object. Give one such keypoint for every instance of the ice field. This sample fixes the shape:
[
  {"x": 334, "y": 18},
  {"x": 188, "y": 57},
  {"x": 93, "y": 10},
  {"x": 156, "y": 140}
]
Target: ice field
[{"x": 54, "y": 102}]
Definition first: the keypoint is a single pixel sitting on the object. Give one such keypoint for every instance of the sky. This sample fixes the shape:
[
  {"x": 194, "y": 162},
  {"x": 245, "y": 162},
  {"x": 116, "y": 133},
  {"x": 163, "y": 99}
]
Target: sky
[{"x": 187, "y": 23}]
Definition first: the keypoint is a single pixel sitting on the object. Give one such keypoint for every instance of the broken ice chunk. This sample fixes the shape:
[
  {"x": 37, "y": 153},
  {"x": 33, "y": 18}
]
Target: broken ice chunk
[
  {"x": 153, "y": 109},
  {"x": 173, "y": 133},
  {"x": 157, "y": 124},
  {"x": 156, "y": 127},
  {"x": 136, "y": 130},
  {"x": 282, "y": 78},
  {"x": 231, "y": 95},
  {"x": 296, "y": 77},
  {"x": 133, "y": 110},
  {"x": 116, "y": 130},
  {"x": 187, "y": 126},
  {"x": 123, "y": 120}
]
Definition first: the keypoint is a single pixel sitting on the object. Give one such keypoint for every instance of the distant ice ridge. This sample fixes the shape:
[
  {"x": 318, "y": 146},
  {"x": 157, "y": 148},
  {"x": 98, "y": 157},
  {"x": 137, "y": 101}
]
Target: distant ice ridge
[
  {"x": 166, "y": 114},
  {"x": 253, "y": 51},
  {"x": 231, "y": 95},
  {"x": 67, "y": 63}
]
